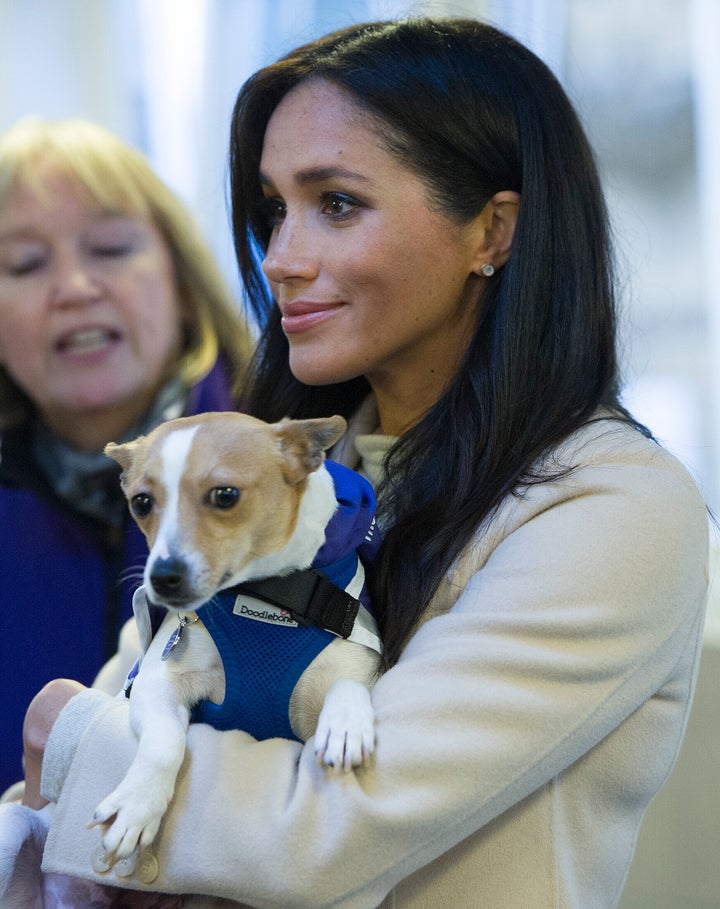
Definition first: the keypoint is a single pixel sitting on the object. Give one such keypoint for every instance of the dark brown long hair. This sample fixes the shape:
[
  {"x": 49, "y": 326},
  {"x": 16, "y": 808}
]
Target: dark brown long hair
[{"x": 471, "y": 112}]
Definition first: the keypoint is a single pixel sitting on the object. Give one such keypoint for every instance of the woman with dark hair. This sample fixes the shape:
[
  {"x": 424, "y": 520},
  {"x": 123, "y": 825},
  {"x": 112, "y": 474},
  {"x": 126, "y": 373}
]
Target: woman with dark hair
[
  {"x": 471, "y": 115},
  {"x": 436, "y": 267}
]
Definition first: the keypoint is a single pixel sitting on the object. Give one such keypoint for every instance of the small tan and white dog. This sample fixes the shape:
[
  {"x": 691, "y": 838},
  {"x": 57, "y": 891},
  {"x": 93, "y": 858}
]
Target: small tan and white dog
[{"x": 224, "y": 499}]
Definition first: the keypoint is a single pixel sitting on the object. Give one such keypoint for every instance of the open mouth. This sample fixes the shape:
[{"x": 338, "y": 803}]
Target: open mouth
[{"x": 88, "y": 340}]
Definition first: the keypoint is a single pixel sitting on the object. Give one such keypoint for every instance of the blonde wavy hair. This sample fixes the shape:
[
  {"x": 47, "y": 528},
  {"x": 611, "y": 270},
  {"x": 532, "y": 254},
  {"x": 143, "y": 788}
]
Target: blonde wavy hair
[{"x": 118, "y": 177}]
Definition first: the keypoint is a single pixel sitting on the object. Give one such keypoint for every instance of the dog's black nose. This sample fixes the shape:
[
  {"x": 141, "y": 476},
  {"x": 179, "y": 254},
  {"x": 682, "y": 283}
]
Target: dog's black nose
[{"x": 168, "y": 577}]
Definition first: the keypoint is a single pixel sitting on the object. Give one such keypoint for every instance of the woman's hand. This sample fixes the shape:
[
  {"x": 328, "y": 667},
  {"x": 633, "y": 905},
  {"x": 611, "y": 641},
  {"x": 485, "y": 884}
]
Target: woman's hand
[{"x": 39, "y": 719}]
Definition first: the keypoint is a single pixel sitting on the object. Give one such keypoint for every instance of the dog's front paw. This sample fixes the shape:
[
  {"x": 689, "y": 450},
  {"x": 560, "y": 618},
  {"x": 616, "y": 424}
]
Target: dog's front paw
[
  {"x": 130, "y": 815},
  {"x": 345, "y": 735}
]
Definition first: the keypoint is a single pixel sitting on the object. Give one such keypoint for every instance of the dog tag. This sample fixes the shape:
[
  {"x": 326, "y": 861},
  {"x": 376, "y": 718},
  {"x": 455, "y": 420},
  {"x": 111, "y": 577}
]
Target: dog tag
[{"x": 174, "y": 638}]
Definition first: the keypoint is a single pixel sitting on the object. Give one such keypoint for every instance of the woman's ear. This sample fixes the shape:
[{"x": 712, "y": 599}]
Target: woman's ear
[{"x": 498, "y": 220}]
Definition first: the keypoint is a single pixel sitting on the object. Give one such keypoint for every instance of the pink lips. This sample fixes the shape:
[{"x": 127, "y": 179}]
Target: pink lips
[{"x": 303, "y": 315}]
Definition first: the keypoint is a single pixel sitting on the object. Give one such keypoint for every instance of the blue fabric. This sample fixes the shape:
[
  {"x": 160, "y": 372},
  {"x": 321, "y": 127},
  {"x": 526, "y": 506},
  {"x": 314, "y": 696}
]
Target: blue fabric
[
  {"x": 66, "y": 585},
  {"x": 353, "y": 524},
  {"x": 262, "y": 664},
  {"x": 351, "y": 529},
  {"x": 263, "y": 661}
]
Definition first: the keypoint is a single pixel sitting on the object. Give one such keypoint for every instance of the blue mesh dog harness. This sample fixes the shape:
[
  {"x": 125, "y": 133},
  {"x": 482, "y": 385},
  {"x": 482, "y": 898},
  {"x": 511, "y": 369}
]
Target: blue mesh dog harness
[{"x": 268, "y": 632}]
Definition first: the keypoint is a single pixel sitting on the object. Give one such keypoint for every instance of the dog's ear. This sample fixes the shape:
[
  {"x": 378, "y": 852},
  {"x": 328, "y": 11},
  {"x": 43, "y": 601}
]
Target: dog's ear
[
  {"x": 303, "y": 443},
  {"x": 123, "y": 454}
]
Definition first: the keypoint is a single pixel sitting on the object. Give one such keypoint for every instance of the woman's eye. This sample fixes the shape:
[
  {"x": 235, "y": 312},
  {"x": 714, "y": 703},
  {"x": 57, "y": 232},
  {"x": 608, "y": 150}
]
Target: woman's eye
[
  {"x": 113, "y": 237},
  {"x": 112, "y": 250},
  {"x": 224, "y": 496},
  {"x": 141, "y": 505},
  {"x": 338, "y": 206},
  {"x": 23, "y": 258},
  {"x": 274, "y": 211},
  {"x": 24, "y": 267}
]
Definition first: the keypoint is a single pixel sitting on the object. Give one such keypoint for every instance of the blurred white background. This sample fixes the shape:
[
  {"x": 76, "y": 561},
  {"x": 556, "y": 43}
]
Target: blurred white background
[{"x": 645, "y": 78}]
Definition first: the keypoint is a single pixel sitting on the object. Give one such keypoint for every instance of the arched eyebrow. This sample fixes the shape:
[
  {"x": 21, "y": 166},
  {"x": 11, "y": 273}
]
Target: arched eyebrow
[{"x": 321, "y": 174}]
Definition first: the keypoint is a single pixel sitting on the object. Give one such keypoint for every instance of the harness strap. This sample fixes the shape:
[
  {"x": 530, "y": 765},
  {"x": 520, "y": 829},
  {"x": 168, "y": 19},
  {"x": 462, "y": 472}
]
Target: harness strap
[{"x": 311, "y": 597}]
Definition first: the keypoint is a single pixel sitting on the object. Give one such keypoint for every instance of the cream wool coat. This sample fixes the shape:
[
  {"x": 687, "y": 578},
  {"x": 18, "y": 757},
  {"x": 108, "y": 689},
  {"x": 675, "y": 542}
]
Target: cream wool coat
[{"x": 529, "y": 722}]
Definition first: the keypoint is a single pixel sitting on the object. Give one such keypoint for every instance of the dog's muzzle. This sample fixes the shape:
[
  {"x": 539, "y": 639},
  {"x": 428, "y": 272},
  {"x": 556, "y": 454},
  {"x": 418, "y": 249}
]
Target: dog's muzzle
[{"x": 168, "y": 579}]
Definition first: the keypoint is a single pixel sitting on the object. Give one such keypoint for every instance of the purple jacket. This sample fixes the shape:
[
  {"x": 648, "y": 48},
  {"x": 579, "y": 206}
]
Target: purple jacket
[{"x": 66, "y": 581}]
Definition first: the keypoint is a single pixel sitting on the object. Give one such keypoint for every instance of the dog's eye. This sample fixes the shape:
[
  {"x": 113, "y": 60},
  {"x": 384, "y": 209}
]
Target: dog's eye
[
  {"x": 141, "y": 505},
  {"x": 224, "y": 496}
]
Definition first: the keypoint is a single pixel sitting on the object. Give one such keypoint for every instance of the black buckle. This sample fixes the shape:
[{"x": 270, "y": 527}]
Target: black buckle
[{"x": 311, "y": 597}]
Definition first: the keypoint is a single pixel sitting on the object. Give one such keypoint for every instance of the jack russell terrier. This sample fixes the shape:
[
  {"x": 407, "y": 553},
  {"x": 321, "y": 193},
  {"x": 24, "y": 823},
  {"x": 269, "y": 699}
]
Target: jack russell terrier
[{"x": 257, "y": 545}]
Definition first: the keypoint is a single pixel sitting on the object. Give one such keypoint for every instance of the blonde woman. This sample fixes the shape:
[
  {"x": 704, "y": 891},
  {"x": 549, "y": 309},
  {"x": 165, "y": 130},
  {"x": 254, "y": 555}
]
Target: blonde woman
[{"x": 113, "y": 317}]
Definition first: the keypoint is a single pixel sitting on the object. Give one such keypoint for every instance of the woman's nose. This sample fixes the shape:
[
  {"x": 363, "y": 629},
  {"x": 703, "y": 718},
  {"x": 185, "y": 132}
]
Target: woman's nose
[
  {"x": 289, "y": 256},
  {"x": 73, "y": 282}
]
